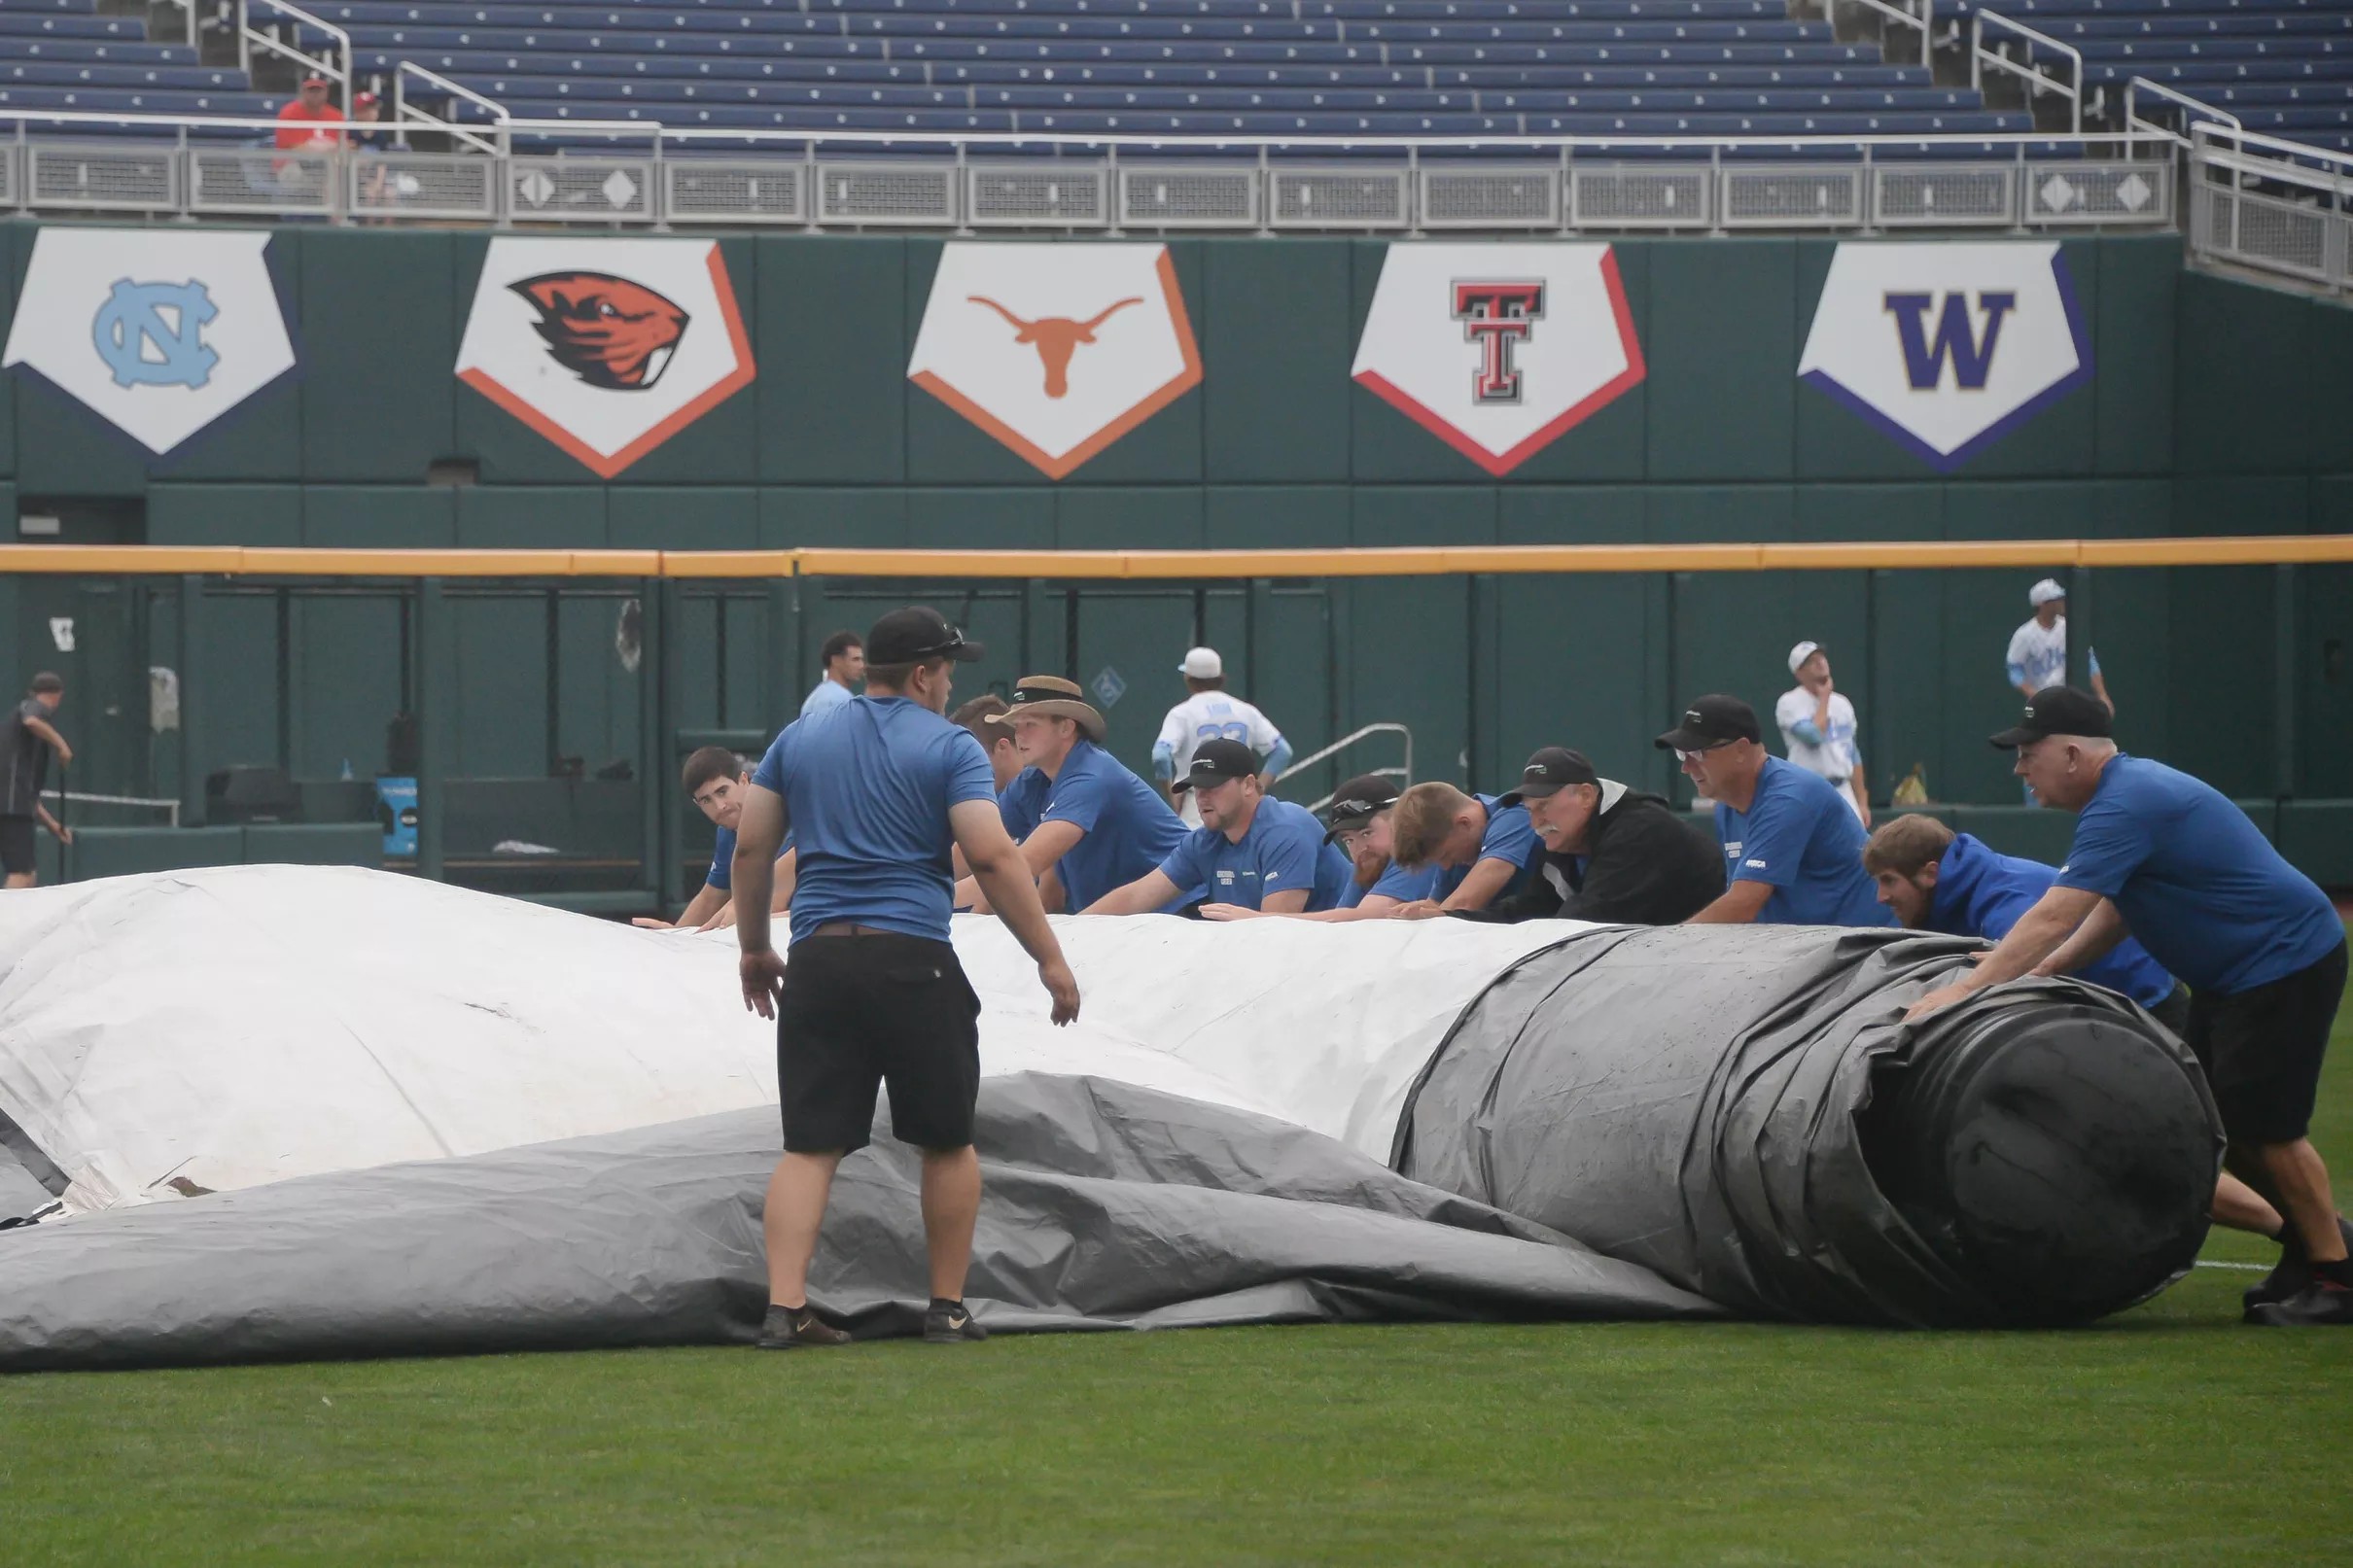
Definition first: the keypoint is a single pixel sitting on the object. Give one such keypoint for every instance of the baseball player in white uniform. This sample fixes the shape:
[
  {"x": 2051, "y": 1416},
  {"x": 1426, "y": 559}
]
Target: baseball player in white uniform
[
  {"x": 1208, "y": 714},
  {"x": 1818, "y": 727}
]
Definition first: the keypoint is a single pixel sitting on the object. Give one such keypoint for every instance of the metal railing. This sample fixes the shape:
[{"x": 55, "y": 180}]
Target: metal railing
[
  {"x": 2194, "y": 109},
  {"x": 335, "y": 66},
  {"x": 1903, "y": 17},
  {"x": 405, "y": 114},
  {"x": 635, "y": 174},
  {"x": 2038, "y": 81},
  {"x": 1403, "y": 774},
  {"x": 2270, "y": 205}
]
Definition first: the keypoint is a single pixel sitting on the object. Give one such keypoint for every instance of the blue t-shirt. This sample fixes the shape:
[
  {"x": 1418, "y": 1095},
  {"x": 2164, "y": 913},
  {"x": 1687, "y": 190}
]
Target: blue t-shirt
[
  {"x": 1801, "y": 837},
  {"x": 1022, "y": 802},
  {"x": 723, "y": 858},
  {"x": 1394, "y": 881},
  {"x": 1283, "y": 851},
  {"x": 824, "y": 697},
  {"x": 2195, "y": 881},
  {"x": 1981, "y": 893},
  {"x": 1509, "y": 836},
  {"x": 868, "y": 785},
  {"x": 1128, "y": 825}
]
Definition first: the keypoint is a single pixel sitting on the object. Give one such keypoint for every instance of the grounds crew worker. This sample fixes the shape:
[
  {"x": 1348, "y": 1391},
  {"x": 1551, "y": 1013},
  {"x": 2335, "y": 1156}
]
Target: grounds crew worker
[
  {"x": 1937, "y": 880},
  {"x": 716, "y": 780},
  {"x": 875, "y": 790},
  {"x": 1250, "y": 849},
  {"x": 1361, "y": 826},
  {"x": 1793, "y": 849},
  {"x": 1483, "y": 847},
  {"x": 2166, "y": 859},
  {"x": 1078, "y": 814},
  {"x": 1610, "y": 853}
]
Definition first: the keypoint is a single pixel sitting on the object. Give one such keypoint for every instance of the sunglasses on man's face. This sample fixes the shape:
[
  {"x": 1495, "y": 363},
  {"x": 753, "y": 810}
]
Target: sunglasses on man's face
[{"x": 1682, "y": 755}]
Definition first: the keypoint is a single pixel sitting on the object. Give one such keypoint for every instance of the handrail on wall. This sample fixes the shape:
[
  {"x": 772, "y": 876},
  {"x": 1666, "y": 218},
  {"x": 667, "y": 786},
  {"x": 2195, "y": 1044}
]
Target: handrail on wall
[
  {"x": 249, "y": 36},
  {"x": 1405, "y": 773}
]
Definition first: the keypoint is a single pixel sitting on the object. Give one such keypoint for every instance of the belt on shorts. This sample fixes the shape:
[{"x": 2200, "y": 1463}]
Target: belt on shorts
[{"x": 849, "y": 928}]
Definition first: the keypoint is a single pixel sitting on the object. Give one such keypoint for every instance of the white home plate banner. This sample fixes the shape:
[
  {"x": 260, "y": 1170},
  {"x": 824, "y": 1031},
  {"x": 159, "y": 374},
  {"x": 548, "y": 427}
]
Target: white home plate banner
[
  {"x": 606, "y": 347},
  {"x": 1056, "y": 350},
  {"x": 1498, "y": 350},
  {"x": 159, "y": 331}
]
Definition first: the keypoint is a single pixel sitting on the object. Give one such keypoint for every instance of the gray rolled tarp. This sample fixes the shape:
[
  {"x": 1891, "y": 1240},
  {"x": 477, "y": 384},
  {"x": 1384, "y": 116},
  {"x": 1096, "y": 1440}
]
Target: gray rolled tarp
[
  {"x": 1105, "y": 1206},
  {"x": 1744, "y": 1112}
]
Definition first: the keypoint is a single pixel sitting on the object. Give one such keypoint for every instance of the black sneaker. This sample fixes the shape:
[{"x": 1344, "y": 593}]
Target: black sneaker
[
  {"x": 789, "y": 1328},
  {"x": 2293, "y": 1272},
  {"x": 948, "y": 1323},
  {"x": 2318, "y": 1304}
]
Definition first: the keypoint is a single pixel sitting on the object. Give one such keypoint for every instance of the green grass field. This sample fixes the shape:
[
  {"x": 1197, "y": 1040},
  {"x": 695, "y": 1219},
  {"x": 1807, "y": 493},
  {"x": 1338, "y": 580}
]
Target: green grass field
[{"x": 2170, "y": 1435}]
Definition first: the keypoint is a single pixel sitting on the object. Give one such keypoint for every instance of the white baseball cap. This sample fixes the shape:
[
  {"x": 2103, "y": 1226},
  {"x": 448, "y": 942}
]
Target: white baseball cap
[
  {"x": 2043, "y": 592},
  {"x": 1202, "y": 664},
  {"x": 1801, "y": 653}
]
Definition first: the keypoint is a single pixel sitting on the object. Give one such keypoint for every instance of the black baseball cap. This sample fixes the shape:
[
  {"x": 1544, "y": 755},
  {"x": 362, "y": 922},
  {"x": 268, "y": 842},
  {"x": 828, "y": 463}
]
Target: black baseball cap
[
  {"x": 1549, "y": 772},
  {"x": 1355, "y": 803},
  {"x": 1217, "y": 761},
  {"x": 915, "y": 634},
  {"x": 1712, "y": 720},
  {"x": 2059, "y": 710}
]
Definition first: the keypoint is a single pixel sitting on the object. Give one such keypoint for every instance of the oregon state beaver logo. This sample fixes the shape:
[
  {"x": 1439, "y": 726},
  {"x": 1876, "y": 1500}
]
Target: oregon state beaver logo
[{"x": 608, "y": 331}]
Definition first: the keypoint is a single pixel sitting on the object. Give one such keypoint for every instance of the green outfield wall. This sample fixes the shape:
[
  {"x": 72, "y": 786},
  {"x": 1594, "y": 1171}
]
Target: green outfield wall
[{"x": 2213, "y": 408}]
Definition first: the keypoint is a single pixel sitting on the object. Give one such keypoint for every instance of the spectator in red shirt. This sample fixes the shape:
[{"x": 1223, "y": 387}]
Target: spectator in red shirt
[{"x": 304, "y": 115}]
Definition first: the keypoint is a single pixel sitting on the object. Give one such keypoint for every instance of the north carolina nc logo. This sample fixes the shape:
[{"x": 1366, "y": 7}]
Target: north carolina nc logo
[
  {"x": 1057, "y": 351},
  {"x": 1498, "y": 350},
  {"x": 606, "y": 331},
  {"x": 1948, "y": 347},
  {"x": 151, "y": 334},
  {"x": 158, "y": 331},
  {"x": 606, "y": 347}
]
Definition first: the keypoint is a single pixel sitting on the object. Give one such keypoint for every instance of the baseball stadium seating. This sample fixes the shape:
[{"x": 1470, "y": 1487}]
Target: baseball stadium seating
[{"x": 1194, "y": 68}]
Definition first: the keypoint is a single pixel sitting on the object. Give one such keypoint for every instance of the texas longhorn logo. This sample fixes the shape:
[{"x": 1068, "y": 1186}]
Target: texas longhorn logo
[
  {"x": 1453, "y": 343},
  {"x": 608, "y": 331},
  {"x": 1948, "y": 347},
  {"x": 1057, "y": 337},
  {"x": 606, "y": 347},
  {"x": 1139, "y": 357}
]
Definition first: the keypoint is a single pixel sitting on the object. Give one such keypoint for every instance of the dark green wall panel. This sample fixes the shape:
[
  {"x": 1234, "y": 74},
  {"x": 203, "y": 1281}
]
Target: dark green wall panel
[
  {"x": 1403, "y": 514},
  {"x": 2132, "y": 372},
  {"x": 864, "y": 519},
  {"x": 1128, "y": 519},
  {"x": 9, "y": 244},
  {"x": 2219, "y": 505},
  {"x": 380, "y": 323},
  {"x": 501, "y": 702},
  {"x": 1721, "y": 386},
  {"x": 2221, "y": 688},
  {"x": 1570, "y": 515},
  {"x": 833, "y": 341},
  {"x": 379, "y": 517},
  {"x": 681, "y": 519},
  {"x": 980, "y": 519},
  {"x": 2019, "y": 510},
  {"x": 224, "y": 514},
  {"x": 1278, "y": 335},
  {"x": 2243, "y": 387},
  {"x": 1834, "y": 513},
  {"x": 532, "y": 518},
  {"x": 1272, "y": 518},
  {"x": 345, "y": 683}
]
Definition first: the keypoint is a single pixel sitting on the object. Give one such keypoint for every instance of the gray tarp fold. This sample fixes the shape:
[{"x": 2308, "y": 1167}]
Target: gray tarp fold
[
  {"x": 1742, "y": 1110},
  {"x": 1105, "y": 1206}
]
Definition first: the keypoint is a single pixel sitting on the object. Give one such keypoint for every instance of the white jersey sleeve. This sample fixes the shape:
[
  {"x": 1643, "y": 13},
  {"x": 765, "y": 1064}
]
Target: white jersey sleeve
[
  {"x": 1795, "y": 707},
  {"x": 1264, "y": 736},
  {"x": 2021, "y": 646}
]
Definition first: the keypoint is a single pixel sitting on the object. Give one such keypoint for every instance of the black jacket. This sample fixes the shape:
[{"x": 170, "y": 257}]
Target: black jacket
[{"x": 1643, "y": 865}]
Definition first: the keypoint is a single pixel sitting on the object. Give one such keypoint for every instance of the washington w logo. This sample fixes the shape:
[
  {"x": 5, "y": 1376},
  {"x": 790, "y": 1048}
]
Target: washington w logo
[
  {"x": 149, "y": 334},
  {"x": 1956, "y": 339}
]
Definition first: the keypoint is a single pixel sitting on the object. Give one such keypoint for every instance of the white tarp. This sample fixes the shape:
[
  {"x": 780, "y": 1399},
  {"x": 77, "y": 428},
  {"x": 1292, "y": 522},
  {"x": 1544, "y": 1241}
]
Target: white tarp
[{"x": 235, "y": 1025}]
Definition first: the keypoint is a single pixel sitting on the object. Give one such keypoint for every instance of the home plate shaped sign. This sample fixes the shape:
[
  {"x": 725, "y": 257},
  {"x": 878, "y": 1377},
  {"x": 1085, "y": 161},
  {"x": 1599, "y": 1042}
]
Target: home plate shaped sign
[
  {"x": 1497, "y": 350},
  {"x": 606, "y": 347},
  {"x": 1056, "y": 350}
]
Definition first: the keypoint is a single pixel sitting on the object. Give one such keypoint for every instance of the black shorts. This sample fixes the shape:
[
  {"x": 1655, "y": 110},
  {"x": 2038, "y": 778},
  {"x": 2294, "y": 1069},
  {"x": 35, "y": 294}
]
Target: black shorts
[
  {"x": 2174, "y": 1011},
  {"x": 2262, "y": 1050},
  {"x": 17, "y": 845},
  {"x": 859, "y": 1012}
]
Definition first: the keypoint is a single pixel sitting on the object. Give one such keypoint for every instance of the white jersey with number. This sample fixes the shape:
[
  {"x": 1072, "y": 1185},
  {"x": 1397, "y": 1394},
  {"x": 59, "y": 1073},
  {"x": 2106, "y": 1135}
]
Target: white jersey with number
[
  {"x": 1838, "y": 757},
  {"x": 1211, "y": 716}
]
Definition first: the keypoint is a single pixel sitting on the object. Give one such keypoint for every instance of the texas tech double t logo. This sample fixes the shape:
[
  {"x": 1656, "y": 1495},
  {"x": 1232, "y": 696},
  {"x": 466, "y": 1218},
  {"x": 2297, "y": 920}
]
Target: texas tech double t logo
[{"x": 1495, "y": 316}]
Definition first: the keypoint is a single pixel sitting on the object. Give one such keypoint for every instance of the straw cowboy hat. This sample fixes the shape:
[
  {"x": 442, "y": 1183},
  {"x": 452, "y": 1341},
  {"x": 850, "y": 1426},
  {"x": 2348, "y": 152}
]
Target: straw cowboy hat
[{"x": 1052, "y": 697}]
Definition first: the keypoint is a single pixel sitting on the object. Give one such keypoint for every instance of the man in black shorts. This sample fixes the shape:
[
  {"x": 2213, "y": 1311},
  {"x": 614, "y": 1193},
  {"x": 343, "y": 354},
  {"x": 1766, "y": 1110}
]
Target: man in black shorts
[
  {"x": 30, "y": 736},
  {"x": 877, "y": 790},
  {"x": 2164, "y": 858}
]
